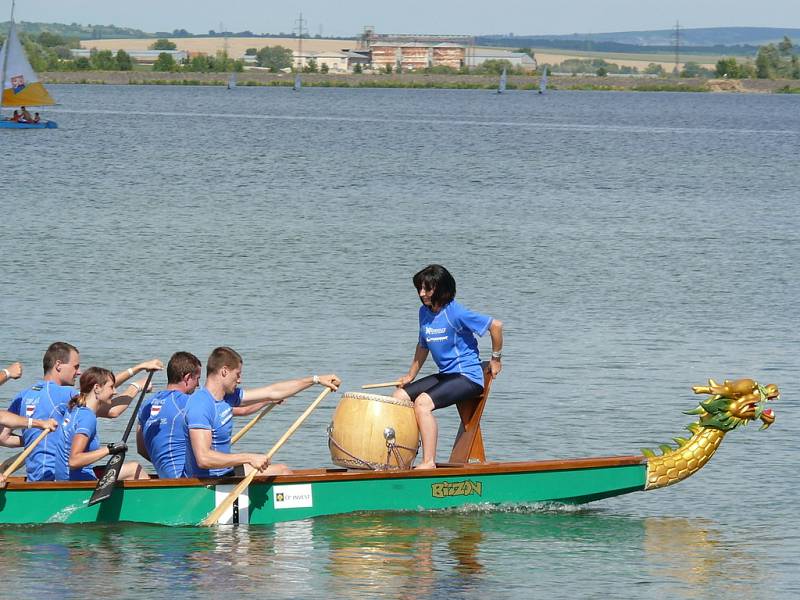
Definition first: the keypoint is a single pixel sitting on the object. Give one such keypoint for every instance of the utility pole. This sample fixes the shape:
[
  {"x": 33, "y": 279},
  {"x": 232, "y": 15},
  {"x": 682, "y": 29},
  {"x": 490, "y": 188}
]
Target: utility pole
[
  {"x": 677, "y": 37},
  {"x": 224, "y": 38},
  {"x": 300, "y": 25}
]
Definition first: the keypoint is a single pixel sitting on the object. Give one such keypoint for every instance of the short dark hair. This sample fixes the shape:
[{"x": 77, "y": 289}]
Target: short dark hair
[
  {"x": 438, "y": 279},
  {"x": 181, "y": 364},
  {"x": 223, "y": 356},
  {"x": 57, "y": 351}
]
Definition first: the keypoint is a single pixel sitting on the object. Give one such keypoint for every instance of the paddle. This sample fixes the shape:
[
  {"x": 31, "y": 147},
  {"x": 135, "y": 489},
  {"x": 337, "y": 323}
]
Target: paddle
[
  {"x": 370, "y": 386},
  {"x": 214, "y": 516},
  {"x": 105, "y": 485},
  {"x": 20, "y": 458},
  {"x": 238, "y": 435}
]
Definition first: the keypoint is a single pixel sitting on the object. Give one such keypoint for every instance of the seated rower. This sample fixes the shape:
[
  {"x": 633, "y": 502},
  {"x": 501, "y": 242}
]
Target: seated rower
[
  {"x": 15, "y": 117},
  {"x": 24, "y": 115},
  {"x": 77, "y": 444},
  {"x": 36, "y": 117},
  {"x": 49, "y": 396},
  {"x": 160, "y": 435},
  {"x": 12, "y": 421},
  {"x": 210, "y": 411}
]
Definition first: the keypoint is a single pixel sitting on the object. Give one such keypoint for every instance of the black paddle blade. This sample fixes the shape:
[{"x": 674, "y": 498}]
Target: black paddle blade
[{"x": 105, "y": 485}]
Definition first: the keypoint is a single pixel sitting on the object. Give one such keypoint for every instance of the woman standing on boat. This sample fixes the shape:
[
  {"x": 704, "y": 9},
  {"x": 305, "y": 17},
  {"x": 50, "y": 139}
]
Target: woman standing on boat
[
  {"x": 78, "y": 446},
  {"x": 447, "y": 331}
]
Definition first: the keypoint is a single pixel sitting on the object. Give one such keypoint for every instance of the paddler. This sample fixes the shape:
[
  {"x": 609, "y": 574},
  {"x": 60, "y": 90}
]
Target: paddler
[
  {"x": 77, "y": 445},
  {"x": 447, "y": 331},
  {"x": 210, "y": 411},
  {"x": 48, "y": 399},
  {"x": 160, "y": 434},
  {"x": 12, "y": 421}
]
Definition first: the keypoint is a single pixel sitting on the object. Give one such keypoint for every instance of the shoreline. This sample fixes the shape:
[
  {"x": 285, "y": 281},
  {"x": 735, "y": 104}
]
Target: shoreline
[{"x": 418, "y": 80}]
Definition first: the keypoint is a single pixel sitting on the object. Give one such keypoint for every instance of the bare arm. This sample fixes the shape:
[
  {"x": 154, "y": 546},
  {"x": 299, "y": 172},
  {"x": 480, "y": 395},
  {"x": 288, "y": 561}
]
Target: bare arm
[
  {"x": 12, "y": 421},
  {"x": 119, "y": 404},
  {"x": 148, "y": 365},
  {"x": 278, "y": 392},
  {"x": 420, "y": 356},
  {"x": 13, "y": 371},
  {"x": 9, "y": 439},
  {"x": 79, "y": 458},
  {"x": 141, "y": 448},
  {"x": 496, "y": 333},
  {"x": 206, "y": 458}
]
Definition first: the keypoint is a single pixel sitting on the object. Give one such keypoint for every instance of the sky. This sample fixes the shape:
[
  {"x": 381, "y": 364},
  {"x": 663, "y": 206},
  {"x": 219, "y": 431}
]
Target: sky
[{"x": 465, "y": 17}]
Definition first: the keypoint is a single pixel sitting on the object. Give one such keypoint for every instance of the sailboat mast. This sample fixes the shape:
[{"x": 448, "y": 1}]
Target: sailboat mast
[{"x": 5, "y": 55}]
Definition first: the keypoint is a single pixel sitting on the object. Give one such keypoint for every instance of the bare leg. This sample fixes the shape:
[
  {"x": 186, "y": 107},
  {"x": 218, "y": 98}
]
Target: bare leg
[
  {"x": 428, "y": 429},
  {"x": 132, "y": 470},
  {"x": 274, "y": 469}
]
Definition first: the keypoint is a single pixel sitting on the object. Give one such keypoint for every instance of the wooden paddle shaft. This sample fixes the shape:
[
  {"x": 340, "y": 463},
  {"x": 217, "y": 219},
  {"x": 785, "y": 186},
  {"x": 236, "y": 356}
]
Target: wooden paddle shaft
[
  {"x": 371, "y": 386},
  {"x": 24, "y": 454},
  {"x": 239, "y": 434},
  {"x": 214, "y": 516}
]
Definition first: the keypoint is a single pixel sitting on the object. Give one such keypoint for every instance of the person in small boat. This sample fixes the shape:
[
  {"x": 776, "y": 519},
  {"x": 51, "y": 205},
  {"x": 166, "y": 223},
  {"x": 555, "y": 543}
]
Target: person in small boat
[
  {"x": 24, "y": 115},
  {"x": 15, "y": 117},
  {"x": 12, "y": 371},
  {"x": 210, "y": 411},
  {"x": 160, "y": 435},
  {"x": 11, "y": 421},
  {"x": 78, "y": 447},
  {"x": 36, "y": 118},
  {"x": 48, "y": 398},
  {"x": 447, "y": 331}
]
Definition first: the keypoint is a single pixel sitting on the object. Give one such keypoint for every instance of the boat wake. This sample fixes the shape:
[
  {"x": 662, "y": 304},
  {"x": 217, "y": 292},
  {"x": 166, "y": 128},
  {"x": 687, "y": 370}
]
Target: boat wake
[{"x": 517, "y": 508}]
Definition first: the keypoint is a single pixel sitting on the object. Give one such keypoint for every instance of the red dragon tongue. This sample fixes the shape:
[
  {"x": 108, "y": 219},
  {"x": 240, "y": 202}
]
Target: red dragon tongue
[{"x": 768, "y": 412}]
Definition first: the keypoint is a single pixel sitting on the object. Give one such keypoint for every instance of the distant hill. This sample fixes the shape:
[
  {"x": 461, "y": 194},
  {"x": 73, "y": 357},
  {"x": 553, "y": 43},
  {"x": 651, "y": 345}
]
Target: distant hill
[
  {"x": 84, "y": 32},
  {"x": 737, "y": 40}
]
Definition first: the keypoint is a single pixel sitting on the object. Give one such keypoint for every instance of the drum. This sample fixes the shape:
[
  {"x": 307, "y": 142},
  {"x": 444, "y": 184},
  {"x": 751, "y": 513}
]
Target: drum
[{"x": 373, "y": 432}]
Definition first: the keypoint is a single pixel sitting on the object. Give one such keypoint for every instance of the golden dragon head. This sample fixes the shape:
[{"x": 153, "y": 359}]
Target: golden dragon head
[{"x": 735, "y": 403}]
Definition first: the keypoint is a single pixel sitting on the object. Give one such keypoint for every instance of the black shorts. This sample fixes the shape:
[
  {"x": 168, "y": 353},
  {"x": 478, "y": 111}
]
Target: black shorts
[{"x": 444, "y": 390}]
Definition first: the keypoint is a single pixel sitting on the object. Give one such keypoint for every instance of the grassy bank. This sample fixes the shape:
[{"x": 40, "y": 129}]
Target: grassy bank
[{"x": 417, "y": 81}]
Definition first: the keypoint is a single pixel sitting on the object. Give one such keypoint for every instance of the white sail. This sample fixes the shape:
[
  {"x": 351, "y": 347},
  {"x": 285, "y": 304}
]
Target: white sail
[
  {"x": 21, "y": 86},
  {"x": 232, "y": 81},
  {"x": 503, "y": 81},
  {"x": 543, "y": 81},
  {"x": 297, "y": 83}
]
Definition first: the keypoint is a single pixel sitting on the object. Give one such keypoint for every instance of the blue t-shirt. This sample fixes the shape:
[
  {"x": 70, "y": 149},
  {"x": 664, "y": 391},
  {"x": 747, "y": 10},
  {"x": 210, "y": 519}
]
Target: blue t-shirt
[
  {"x": 79, "y": 420},
  {"x": 44, "y": 400},
  {"x": 204, "y": 412},
  {"x": 162, "y": 420},
  {"x": 449, "y": 336}
]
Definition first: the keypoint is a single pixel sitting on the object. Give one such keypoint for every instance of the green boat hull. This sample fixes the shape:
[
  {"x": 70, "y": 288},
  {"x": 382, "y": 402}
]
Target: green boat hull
[{"x": 308, "y": 494}]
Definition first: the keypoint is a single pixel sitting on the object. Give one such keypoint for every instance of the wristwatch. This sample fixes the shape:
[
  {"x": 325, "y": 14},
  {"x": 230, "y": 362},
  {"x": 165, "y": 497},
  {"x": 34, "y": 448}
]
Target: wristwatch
[{"x": 498, "y": 355}]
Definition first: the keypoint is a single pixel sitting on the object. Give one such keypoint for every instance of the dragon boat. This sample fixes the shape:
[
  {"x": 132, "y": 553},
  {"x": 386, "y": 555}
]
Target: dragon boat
[{"x": 466, "y": 480}]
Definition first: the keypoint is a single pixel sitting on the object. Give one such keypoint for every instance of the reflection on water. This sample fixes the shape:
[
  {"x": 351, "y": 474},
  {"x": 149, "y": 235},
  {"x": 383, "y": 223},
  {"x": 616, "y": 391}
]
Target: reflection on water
[{"x": 398, "y": 555}]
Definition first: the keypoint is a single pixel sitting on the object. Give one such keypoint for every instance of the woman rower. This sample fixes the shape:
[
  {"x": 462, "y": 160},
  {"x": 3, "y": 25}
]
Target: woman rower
[
  {"x": 447, "y": 330},
  {"x": 78, "y": 446}
]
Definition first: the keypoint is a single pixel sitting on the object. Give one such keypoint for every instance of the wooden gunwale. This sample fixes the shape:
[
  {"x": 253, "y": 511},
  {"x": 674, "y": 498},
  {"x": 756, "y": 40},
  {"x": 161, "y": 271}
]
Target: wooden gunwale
[{"x": 324, "y": 475}]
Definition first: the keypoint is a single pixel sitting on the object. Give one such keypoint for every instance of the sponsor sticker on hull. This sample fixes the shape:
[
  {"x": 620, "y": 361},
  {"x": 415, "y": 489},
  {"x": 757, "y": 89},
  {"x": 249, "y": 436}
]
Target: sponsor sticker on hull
[{"x": 293, "y": 496}]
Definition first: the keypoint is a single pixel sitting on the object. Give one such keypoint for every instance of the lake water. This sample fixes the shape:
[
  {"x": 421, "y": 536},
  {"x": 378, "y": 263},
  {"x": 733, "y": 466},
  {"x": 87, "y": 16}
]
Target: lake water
[{"x": 633, "y": 244}]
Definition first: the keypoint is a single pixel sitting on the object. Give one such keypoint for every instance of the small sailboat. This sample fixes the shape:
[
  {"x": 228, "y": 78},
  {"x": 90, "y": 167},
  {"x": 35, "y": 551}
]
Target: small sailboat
[
  {"x": 543, "y": 81},
  {"x": 232, "y": 81},
  {"x": 21, "y": 87},
  {"x": 297, "y": 82},
  {"x": 503, "y": 80}
]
